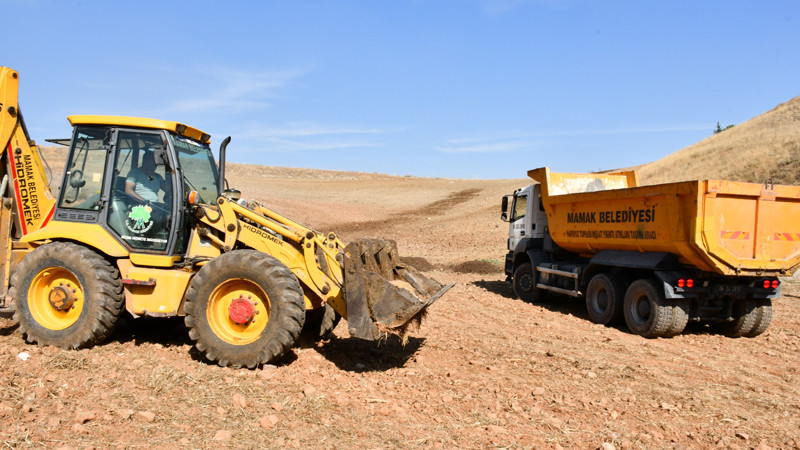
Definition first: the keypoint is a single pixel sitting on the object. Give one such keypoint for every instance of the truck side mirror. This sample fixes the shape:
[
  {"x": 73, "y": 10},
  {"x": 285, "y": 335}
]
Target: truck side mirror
[{"x": 504, "y": 209}]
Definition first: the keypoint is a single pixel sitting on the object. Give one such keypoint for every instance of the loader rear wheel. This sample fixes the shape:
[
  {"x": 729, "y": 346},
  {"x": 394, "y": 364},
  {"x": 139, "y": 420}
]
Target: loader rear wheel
[
  {"x": 66, "y": 295},
  {"x": 647, "y": 312},
  {"x": 525, "y": 284},
  {"x": 605, "y": 298},
  {"x": 244, "y": 308}
]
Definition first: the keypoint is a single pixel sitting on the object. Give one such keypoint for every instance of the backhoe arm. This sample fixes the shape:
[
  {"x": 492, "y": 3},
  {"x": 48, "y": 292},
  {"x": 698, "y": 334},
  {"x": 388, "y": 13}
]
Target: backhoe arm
[{"x": 22, "y": 169}]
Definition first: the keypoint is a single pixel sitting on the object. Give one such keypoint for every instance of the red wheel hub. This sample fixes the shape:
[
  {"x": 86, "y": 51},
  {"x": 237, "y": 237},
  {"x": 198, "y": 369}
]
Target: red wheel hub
[{"x": 240, "y": 311}]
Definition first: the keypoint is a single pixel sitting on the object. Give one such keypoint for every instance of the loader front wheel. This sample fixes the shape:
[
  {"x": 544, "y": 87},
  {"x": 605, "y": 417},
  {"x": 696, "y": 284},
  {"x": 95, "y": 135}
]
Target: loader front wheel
[
  {"x": 66, "y": 295},
  {"x": 244, "y": 308}
]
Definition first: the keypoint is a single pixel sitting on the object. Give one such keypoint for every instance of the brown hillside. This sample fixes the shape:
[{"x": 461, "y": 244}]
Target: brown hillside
[{"x": 766, "y": 146}]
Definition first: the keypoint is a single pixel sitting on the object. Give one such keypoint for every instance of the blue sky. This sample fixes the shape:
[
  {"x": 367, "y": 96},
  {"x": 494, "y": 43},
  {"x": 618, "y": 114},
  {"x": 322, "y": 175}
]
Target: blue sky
[{"x": 438, "y": 88}]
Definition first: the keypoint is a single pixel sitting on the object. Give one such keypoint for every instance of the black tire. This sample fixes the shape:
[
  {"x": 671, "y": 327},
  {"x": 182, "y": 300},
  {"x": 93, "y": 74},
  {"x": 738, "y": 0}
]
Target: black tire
[
  {"x": 680, "y": 316},
  {"x": 319, "y": 323},
  {"x": 605, "y": 299},
  {"x": 647, "y": 313},
  {"x": 278, "y": 309},
  {"x": 750, "y": 318},
  {"x": 67, "y": 296},
  {"x": 764, "y": 313},
  {"x": 525, "y": 284}
]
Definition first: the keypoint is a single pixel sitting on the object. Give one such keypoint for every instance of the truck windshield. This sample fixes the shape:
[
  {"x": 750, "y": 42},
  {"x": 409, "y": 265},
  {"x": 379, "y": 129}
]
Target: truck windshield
[{"x": 198, "y": 166}]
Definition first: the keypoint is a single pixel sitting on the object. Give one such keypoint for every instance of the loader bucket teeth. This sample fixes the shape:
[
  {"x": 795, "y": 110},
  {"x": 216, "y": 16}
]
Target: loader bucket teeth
[{"x": 375, "y": 306}]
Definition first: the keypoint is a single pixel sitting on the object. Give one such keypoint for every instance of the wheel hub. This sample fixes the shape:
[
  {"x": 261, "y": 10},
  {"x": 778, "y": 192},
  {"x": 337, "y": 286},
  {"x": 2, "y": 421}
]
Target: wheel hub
[
  {"x": 240, "y": 311},
  {"x": 62, "y": 297},
  {"x": 643, "y": 308}
]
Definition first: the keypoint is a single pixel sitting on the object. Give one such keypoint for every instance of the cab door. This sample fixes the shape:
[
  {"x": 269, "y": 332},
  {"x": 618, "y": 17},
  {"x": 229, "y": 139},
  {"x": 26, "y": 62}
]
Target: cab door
[{"x": 141, "y": 209}]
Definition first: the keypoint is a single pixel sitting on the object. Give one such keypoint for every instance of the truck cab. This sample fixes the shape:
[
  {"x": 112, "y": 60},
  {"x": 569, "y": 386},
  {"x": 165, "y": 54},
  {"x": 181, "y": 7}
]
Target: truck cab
[
  {"x": 526, "y": 217},
  {"x": 527, "y": 222}
]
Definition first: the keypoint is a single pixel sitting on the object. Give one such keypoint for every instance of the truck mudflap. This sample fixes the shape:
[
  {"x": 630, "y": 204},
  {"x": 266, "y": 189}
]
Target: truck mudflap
[{"x": 377, "y": 305}]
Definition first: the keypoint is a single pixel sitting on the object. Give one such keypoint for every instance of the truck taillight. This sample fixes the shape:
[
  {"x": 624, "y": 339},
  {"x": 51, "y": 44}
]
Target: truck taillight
[
  {"x": 689, "y": 283},
  {"x": 773, "y": 284}
]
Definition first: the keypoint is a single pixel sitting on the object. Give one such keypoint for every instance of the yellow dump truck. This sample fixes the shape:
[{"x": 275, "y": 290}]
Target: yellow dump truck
[
  {"x": 656, "y": 256},
  {"x": 144, "y": 222}
]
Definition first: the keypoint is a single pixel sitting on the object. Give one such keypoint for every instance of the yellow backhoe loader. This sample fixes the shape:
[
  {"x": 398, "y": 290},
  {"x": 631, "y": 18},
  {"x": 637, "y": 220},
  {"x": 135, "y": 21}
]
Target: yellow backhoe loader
[{"x": 143, "y": 222}]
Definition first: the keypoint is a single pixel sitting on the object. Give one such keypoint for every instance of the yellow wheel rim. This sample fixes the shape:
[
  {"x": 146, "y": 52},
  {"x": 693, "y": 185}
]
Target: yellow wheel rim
[
  {"x": 55, "y": 298},
  {"x": 234, "y": 327}
]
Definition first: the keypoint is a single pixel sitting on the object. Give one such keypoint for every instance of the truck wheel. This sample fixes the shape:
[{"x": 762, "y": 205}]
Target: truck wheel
[
  {"x": 244, "y": 308},
  {"x": 525, "y": 284},
  {"x": 319, "y": 323},
  {"x": 680, "y": 317},
  {"x": 750, "y": 318},
  {"x": 66, "y": 295},
  {"x": 764, "y": 312},
  {"x": 646, "y": 311},
  {"x": 605, "y": 298}
]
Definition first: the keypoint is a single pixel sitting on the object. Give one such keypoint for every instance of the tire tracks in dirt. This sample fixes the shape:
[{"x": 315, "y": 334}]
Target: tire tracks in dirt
[{"x": 436, "y": 208}]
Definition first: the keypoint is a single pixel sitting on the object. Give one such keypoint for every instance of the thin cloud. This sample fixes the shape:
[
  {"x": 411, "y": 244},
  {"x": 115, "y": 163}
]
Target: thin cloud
[
  {"x": 234, "y": 91},
  {"x": 300, "y": 136},
  {"x": 510, "y": 140},
  {"x": 305, "y": 129},
  {"x": 497, "y": 147}
]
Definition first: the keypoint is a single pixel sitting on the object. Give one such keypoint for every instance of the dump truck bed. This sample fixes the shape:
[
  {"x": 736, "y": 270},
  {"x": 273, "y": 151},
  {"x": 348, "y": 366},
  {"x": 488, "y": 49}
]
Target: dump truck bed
[{"x": 726, "y": 227}]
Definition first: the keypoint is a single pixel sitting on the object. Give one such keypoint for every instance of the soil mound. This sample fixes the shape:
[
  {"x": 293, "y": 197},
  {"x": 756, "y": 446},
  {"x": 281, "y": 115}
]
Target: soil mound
[
  {"x": 479, "y": 267},
  {"x": 419, "y": 263}
]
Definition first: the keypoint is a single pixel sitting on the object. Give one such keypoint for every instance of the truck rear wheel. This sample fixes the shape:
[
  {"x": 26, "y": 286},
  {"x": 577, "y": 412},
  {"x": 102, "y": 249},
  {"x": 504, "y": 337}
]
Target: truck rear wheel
[
  {"x": 680, "y": 317},
  {"x": 764, "y": 310},
  {"x": 244, "y": 308},
  {"x": 751, "y": 317},
  {"x": 605, "y": 298},
  {"x": 525, "y": 284},
  {"x": 647, "y": 312},
  {"x": 66, "y": 295}
]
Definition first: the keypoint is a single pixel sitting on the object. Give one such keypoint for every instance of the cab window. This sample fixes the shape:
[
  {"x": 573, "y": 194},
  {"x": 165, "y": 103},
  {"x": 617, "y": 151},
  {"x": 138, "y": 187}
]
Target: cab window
[{"x": 83, "y": 181}]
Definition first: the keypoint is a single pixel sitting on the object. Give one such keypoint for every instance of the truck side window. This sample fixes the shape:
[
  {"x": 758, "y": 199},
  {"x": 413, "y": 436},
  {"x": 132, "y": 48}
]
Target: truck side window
[
  {"x": 83, "y": 181},
  {"x": 520, "y": 206}
]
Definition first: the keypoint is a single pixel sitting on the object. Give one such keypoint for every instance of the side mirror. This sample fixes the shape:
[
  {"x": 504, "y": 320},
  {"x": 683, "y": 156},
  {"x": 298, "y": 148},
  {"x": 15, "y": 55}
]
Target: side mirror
[{"x": 504, "y": 209}]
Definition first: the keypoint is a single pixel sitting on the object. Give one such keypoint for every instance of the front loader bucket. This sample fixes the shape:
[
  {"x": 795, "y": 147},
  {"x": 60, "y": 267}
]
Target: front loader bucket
[{"x": 375, "y": 306}]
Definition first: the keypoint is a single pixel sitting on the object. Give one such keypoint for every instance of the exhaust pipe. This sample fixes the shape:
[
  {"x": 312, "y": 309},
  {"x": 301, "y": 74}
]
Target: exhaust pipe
[{"x": 222, "y": 147}]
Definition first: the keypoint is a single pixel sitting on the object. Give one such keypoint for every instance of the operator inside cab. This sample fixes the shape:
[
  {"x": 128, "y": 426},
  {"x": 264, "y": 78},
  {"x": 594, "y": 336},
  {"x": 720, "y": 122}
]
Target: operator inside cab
[{"x": 143, "y": 183}]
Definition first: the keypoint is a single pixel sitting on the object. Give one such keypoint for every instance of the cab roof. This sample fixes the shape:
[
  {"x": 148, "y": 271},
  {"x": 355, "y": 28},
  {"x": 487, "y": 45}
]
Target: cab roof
[{"x": 140, "y": 122}]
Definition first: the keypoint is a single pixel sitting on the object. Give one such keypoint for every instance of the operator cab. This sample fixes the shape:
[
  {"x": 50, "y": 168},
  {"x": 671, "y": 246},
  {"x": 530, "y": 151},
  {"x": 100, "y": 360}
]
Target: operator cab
[{"x": 131, "y": 176}]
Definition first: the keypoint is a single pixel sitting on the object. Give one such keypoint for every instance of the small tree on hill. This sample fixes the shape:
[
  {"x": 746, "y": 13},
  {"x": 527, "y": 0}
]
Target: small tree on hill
[{"x": 719, "y": 129}]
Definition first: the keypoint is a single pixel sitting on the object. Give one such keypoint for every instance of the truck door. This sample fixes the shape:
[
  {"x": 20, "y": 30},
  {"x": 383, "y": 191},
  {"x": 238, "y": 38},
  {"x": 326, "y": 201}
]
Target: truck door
[{"x": 141, "y": 209}]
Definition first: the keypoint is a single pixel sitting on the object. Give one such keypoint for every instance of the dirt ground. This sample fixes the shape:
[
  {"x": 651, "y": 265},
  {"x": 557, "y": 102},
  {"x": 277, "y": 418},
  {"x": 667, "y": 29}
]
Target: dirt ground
[{"x": 485, "y": 370}]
